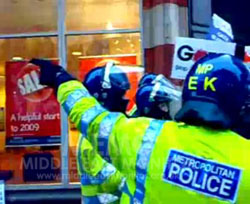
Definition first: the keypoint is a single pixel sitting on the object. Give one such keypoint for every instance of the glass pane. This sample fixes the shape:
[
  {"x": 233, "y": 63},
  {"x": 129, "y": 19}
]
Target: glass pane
[
  {"x": 102, "y": 14},
  {"x": 82, "y": 47},
  {"x": 28, "y": 16},
  {"x": 83, "y": 53},
  {"x": 23, "y": 164}
]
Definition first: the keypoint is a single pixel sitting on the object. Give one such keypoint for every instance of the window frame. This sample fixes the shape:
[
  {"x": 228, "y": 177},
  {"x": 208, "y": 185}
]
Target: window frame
[{"x": 62, "y": 35}]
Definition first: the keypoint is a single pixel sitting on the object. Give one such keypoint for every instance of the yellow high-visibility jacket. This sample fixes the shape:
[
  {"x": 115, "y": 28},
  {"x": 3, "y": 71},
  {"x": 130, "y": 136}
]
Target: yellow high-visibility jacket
[
  {"x": 163, "y": 161},
  {"x": 100, "y": 180}
]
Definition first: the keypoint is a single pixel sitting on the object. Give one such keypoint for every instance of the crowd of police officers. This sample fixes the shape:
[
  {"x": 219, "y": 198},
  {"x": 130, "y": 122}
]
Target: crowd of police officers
[{"x": 199, "y": 155}]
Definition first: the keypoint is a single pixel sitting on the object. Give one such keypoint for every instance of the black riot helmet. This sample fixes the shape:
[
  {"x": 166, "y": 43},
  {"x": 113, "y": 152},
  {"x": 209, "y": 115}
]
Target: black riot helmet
[{"x": 108, "y": 84}]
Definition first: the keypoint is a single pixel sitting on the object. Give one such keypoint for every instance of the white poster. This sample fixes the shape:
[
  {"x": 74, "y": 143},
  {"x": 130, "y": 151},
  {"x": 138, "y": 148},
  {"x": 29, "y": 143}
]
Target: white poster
[
  {"x": 189, "y": 50},
  {"x": 2, "y": 193}
]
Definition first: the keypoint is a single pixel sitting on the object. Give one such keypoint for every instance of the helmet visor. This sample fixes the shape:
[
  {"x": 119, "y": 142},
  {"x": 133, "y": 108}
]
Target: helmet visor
[{"x": 164, "y": 93}]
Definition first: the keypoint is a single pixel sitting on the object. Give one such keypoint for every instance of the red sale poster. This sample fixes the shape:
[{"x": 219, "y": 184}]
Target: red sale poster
[
  {"x": 128, "y": 63},
  {"x": 32, "y": 111}
]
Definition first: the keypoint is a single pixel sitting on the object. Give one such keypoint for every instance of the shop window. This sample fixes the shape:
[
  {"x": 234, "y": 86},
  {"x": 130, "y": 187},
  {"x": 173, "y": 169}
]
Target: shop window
[
  {"x": 86, "y": 52},
  {"x": 89, "y": 46},
  {"x": 25, "y": 158},
  {"x": 27, "y": 16},
  {"x": 102, "y": 14}
]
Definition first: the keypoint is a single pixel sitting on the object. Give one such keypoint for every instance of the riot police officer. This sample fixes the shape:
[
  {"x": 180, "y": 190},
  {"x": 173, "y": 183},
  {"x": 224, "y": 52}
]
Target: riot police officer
[{"x": 197, "y": 159}]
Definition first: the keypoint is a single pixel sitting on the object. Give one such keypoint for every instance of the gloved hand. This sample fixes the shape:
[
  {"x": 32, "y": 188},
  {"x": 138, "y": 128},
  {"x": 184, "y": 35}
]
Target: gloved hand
[{"x": 50, "y": 74}]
